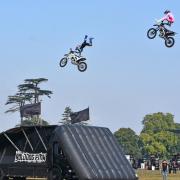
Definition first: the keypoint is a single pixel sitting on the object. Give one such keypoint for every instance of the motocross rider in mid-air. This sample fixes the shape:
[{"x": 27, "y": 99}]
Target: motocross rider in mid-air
[
  {"x": 75, "y": 55},
  {"x": 168, "y": 16},
  {"x": 79, "y": 48}
]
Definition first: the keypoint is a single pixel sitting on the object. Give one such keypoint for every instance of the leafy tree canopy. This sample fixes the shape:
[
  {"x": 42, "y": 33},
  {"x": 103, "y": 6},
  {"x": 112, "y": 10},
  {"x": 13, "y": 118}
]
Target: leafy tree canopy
[
  {"x": 155, "y": 136},
  {"x": 129, "y": 141},
  {"x": 33, "y": 121}
]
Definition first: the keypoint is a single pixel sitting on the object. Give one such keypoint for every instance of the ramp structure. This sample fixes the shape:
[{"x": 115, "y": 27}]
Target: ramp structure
[
  {"x": 94, "y": 153},
  {"x": 62, "y": 152}
]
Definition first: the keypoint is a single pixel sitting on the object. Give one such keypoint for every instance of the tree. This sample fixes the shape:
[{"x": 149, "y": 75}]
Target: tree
[
  {"x": 28, "y": 93},
  {"x": 129, "y": 141},
  {"x": 155, "y": 136},
  {"x": 30, "y": 87},
  {"x": 19, "y": 100},
  {"x": 66, "y": 119}
]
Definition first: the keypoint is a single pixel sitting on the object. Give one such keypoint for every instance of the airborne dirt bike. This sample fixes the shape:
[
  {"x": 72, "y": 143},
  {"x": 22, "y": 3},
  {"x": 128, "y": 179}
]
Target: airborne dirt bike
[
  {"x": 75, "y": 59},
  {"x": 163, "y": 33}
]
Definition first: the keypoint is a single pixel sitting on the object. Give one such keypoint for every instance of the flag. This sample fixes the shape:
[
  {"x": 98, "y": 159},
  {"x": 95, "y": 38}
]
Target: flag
[
  {"x": 80, "y": 116},
  {"x": 30, "y": 109}
]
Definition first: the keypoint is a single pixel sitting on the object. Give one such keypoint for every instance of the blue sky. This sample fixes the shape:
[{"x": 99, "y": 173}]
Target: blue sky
[{"x": 128, "y": 75}]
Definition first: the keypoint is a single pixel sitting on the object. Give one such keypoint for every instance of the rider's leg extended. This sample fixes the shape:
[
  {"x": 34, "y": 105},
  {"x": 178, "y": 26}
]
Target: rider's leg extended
[
  {"x": 169, "y": 24},
  {"x": 85, "y": 43}
]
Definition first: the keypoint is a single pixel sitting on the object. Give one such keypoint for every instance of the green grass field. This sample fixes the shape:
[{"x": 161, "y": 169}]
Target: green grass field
[
  {"x": 144, "y": 175},
  {"x": 155, "y": 175}
]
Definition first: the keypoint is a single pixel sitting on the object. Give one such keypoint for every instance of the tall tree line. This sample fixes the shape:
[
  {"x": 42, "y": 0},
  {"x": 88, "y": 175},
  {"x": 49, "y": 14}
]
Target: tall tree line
[{"x": 156, "y": 138}]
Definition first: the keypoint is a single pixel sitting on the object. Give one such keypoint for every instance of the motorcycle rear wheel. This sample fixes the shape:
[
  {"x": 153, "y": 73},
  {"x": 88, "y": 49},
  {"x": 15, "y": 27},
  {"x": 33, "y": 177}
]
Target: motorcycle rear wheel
[
  {"x": 82, "y": 66},
  {"x": 169, "y": 42},
  {"x": 63, "y": 62},
  {"x": 151, "y": 33}
]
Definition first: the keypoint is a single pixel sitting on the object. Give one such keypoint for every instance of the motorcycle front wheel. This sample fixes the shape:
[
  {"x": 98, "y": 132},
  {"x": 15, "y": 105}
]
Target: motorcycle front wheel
[
  {"x": 169, "y": 42},
  {"x": 151, "y": 34},
  {"x": 82, "y": 66},
  {"x": 63, "y": 62}
]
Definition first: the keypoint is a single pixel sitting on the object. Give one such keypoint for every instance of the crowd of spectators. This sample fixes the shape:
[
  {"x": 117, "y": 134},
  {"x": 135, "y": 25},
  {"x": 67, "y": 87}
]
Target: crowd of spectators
[{"x": 155, "y": 163}]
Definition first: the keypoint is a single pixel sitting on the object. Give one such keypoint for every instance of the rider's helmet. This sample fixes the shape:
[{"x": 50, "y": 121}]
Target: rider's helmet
[{"x": 167, "y": 11}]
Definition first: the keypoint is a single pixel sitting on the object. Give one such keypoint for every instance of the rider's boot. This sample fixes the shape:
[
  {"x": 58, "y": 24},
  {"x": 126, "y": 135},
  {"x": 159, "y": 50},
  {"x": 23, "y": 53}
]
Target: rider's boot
[{"x": 90, "y": 40}]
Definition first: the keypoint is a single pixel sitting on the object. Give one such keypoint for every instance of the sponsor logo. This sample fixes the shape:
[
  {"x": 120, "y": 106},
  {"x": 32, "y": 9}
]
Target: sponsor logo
[{"x": 30, "y": 157}]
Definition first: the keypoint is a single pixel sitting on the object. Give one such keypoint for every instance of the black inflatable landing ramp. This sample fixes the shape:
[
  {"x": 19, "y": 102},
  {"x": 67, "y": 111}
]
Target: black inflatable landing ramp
[{"x": 94, "y": 153}]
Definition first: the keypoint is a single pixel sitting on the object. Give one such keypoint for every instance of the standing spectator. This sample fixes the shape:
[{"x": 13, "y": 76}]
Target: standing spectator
[
  {"x": 164, "y": 169},
  {"x": 174, "y": 166}
]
